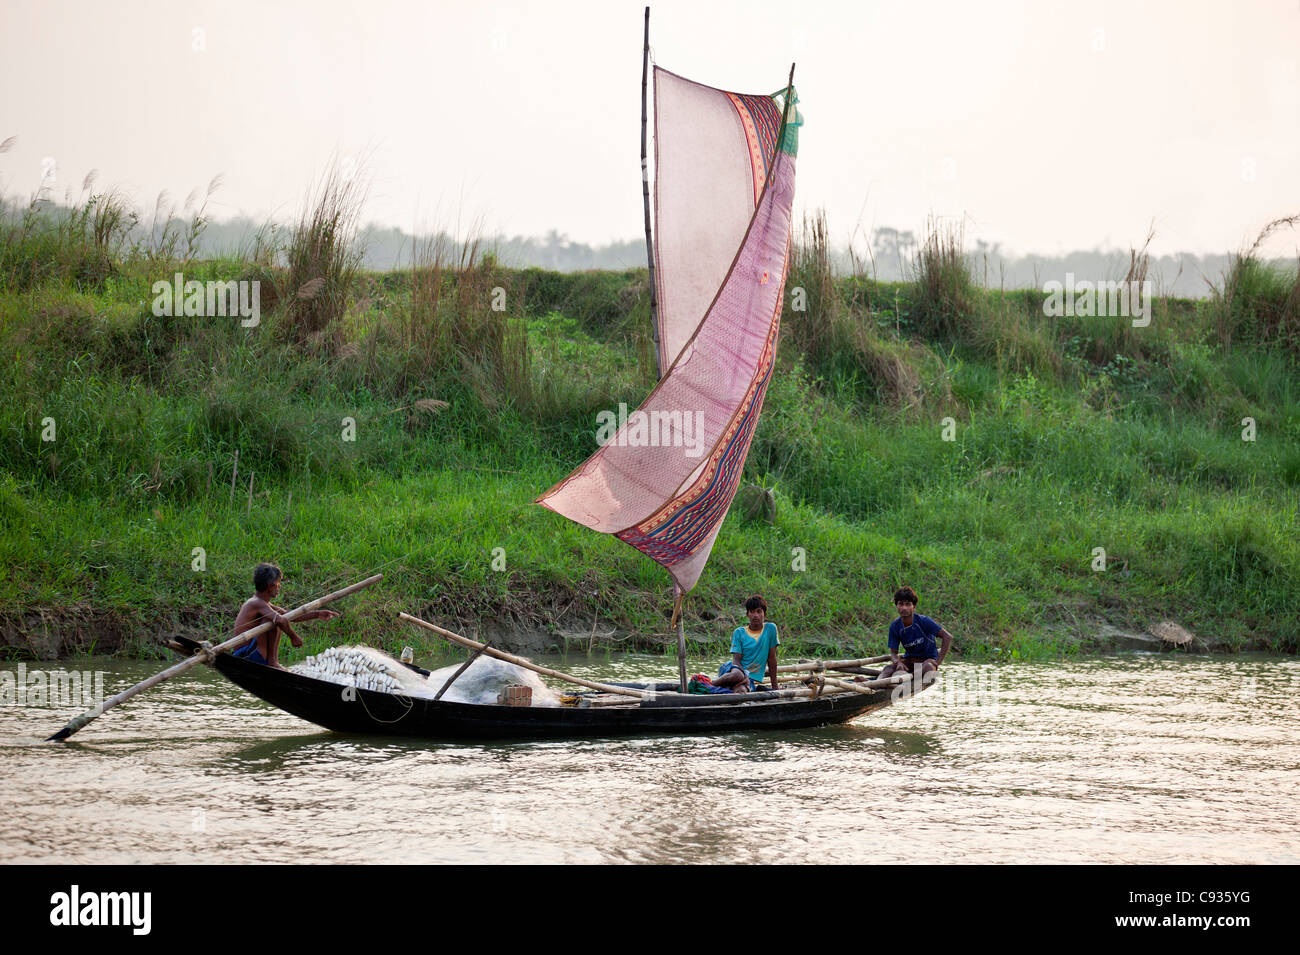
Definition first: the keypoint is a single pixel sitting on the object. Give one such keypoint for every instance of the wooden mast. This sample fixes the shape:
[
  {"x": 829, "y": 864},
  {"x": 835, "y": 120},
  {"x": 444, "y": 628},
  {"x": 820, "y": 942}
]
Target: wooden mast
[
  {"x": 679, "y": 610},
  {"x": 679, "y": 597},
  {"x": 645, "y": 198}
]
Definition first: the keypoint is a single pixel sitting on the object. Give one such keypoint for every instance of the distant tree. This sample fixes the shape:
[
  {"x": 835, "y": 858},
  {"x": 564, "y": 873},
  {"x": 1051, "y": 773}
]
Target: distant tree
[{"x": 892, "y": 249}]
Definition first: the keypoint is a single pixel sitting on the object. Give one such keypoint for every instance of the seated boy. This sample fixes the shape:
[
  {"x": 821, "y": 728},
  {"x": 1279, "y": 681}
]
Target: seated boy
[
  {"x": 915, "y": 633},
  {"x": 258, "y": 609},
  {"x": 753, "y": 651}
]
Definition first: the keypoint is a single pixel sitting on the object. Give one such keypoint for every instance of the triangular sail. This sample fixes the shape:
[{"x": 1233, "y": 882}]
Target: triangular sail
[{"x": 665, "y": 480}]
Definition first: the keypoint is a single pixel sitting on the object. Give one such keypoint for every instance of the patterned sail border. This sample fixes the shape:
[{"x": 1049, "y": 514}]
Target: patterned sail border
[
  {"x": 761, "y": 122},
  {"x": 667, "y": 503},
  {"x": 680, "y": 536}
]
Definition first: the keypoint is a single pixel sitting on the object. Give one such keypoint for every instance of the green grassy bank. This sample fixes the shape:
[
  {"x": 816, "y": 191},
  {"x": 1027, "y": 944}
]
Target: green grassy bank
[{"x": 934, "y": 432}]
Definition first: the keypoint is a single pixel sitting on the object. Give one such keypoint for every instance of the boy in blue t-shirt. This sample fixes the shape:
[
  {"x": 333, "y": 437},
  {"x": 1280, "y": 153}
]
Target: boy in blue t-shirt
[
  {"x": 915, "y": 634},
  {"x": 753, "y": 651}
]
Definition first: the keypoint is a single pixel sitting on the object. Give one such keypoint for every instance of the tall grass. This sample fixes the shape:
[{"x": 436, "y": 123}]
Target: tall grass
[
  {"x": 323, "y": 256},
  {"x": 1259, "y": 302},
  {"x": 1008, "y": 327},
  {"x": 80, "y": 247},
  {"x": 943, "y": 279},
  {"x": 96, "y": 238},
  {"x": 812, "y": 280},
  {"x": 838, "y": 330},
  {"x": 463, "y": 322},
  {"x": 465, "y": 411},
  {"x": 172, "y": 239}
]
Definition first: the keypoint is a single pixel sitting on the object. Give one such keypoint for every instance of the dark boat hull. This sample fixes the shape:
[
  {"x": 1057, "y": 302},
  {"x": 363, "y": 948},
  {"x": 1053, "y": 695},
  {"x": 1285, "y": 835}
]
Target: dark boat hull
[{"x": 368, "y": 712}]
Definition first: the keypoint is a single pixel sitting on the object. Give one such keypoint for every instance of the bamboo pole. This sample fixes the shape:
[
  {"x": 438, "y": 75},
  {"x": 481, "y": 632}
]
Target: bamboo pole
[
  {"x": 834, "y": 687},
  {"x": 860, "y": 671},
  {"x": 870, "y": 687},
  {"x": 602, "y": 701},
  {"x": 681, "y": 653},
  {"x": 679, "y": 612},
  {"x": 520, "y": 661},
  {"x": 645, "y": 198},
  {"x": 830, "y": 664},
  {"x": 456, "y": 676},
  {"x": 725, "y": 699},
  {"x": 204, "y": 656}
]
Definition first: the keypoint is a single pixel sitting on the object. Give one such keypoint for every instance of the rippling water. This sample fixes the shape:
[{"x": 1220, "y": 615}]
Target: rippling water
[{"x": 1123, "y": 759}]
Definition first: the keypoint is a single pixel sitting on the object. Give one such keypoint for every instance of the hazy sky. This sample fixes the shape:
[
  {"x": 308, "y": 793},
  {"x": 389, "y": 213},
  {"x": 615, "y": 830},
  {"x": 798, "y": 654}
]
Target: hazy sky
[{"x": 1047, "y": 126}]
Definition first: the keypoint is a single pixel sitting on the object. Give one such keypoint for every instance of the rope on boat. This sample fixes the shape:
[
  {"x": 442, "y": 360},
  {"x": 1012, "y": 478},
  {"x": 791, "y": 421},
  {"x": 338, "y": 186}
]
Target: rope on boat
[{"x": 402, "y": 698}]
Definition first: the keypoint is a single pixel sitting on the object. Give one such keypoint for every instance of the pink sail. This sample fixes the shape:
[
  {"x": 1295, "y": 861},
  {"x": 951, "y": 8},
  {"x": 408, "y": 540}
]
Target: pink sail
[
  {"x": 712, "y": 152},
  {"x": 664, "y": 481}
]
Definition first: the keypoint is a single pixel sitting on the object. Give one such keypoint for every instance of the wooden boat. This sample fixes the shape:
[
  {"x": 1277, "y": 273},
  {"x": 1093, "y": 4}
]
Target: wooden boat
[
  {"x": 664, "y": 481},
  {"x": 724, "y": 189},
  {"x": 369, "y": 712}
]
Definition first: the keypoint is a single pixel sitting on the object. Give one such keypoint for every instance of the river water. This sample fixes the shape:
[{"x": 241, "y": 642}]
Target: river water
[{"x": 1135, "y": 759}]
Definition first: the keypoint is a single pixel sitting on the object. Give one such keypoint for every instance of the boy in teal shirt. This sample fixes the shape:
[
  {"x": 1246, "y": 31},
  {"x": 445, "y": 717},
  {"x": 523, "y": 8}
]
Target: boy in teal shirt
[{"x": 753, "y": 651}]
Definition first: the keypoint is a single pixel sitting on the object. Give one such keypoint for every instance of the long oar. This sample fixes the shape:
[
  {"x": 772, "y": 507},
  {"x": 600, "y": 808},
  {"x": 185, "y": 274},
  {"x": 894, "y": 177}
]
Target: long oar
[
  {"x": 830, "y": 664},
  {"x": 204, "y": 656},
  {"x": 520, "y": 661}
]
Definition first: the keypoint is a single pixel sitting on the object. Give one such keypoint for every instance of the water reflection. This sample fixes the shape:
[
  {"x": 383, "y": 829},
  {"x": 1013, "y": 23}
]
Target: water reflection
[{"x": 1154, "y": 759}]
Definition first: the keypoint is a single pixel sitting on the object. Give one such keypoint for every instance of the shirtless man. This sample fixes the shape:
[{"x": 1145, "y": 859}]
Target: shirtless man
[{"x": 256, "y": 610}]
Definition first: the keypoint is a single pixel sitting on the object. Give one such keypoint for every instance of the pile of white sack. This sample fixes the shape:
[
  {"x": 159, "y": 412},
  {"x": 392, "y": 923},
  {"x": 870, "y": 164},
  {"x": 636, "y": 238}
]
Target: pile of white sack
[
  {"x": 363, "y": 667},
  {"x": 371, "y": 669}
]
